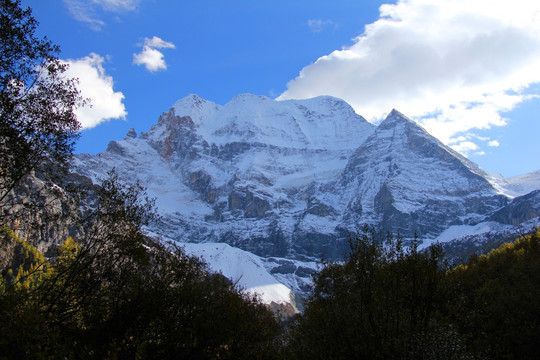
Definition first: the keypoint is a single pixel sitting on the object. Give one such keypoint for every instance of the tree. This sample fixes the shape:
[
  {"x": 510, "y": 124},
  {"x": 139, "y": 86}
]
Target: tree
[
  {"x": 23, "y": 270},
  {"x": 182, "y": 310},
  {"x": 37, "y": 100},
  {"x": 493, "y": 300},
  {"x": 381, "y": 303},
  {"x": 116, "y": 293}
]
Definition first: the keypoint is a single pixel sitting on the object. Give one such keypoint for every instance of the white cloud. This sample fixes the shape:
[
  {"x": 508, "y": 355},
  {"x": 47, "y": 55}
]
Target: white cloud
[
  {"x": 455, "y": 66},
  {"x": 151, "y": 58},
  {"x": 117, "y": 5},
  {"x": 318, "y": 25},
  {"x": 470, "y": 143},
  {"x": 88, "y": 11},
  {"x": 84, "y": 12},
  {"x": 95, "y": 85}
]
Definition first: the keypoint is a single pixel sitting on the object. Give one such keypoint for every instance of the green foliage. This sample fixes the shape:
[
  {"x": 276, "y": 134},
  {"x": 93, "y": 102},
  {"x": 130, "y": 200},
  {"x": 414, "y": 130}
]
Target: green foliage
[
  {"x": 26, "y": 266},
  {"x": 493, "y": 300},
  {"x": 37, "y": 101},
  {"x": 25, "y": 271}
]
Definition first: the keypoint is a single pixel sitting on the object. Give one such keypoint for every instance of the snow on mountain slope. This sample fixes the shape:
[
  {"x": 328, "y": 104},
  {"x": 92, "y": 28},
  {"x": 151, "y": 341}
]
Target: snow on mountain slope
[
  {"x": 196, "y": 108},
  {"x": 517, "y": 185},
  {"x": 244, "y": 269},
  {"x": 520, "y": 210},
  {"x": 460, "y": 242},
  {"x": 134, "y": 159},
  {"x": 324, "y": 122},
  {"x": 460, "y": 231},
  {"x": 236, "y": 173},
  {"x": 520, "y": 216},
  {"x": 223, "y": 170}
]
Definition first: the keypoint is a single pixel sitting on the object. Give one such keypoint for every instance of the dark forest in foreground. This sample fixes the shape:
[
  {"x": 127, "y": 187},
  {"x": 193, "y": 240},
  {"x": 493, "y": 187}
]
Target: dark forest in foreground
[
  {"x": 111, "y": 292},
  {"x": 123, "y": 296}
]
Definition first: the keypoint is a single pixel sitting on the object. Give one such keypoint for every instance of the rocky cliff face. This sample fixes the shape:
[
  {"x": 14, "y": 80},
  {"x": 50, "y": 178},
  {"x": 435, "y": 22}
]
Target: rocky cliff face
[
  {"x": 295, "y": 178},
  {"x": 45, "y": 211},
  {"x": 520, "y": 210}
]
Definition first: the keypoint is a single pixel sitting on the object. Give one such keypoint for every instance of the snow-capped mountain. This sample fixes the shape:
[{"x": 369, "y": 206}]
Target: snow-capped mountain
[
  {"x": 292, "y": 179},
  {"x": 403, "y": 178},
  {"x": 517, "y": 185},
  {"x": 239, "y": 173}
]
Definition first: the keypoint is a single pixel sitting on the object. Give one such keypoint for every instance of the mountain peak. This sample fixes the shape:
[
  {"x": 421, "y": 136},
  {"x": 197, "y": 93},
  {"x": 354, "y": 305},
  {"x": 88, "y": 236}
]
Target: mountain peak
[
  {"x": 189, "y": 100},
  {"x": 192, "y": 97},
  {"x": 131, "y": 134},
  {"x": 195, "y": 107},
  {"x": 395, "y": 117},
  {"x": 396, "y": 113},
  {"x": 294, "y": 177},
  {"x": 397, "y": 123}
]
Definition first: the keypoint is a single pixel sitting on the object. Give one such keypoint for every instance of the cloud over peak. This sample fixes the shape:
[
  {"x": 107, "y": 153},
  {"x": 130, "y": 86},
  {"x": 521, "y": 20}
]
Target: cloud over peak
[
  {"x": 150, "y": 57},
  {"x": 455, "y": 66}
]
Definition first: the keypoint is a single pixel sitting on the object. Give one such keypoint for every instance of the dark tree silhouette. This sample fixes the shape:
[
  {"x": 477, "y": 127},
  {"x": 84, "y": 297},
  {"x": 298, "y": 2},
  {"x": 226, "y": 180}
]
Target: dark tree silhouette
[
  {"x": 37, "y": 100},
  {"x": 381, "y": 303}
]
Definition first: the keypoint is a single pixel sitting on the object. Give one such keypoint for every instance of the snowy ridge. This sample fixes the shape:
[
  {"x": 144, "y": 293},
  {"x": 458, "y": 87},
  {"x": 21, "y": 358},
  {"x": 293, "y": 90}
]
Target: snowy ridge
[
  {"x": 460, "y": 241},
  {"x": 301, "y": 124},
  {"x": 457, "y": 232},
  {"x": 517, "y": 185},
  {"x": 134, "y": 156},
  {"x": 195, "y": 107}
]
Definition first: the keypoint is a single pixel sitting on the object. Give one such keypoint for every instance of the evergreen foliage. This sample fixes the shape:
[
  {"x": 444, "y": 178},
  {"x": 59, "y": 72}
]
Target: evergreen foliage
[
  {"x": 494, "y": 300},
  {"x": 23, "y": 329},
  {"x": 26, "y": 265}
]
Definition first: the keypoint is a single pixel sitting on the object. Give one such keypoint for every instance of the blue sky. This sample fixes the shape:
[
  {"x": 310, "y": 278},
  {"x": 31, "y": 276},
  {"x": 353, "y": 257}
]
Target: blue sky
[{"x": 466, "y": 70}]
